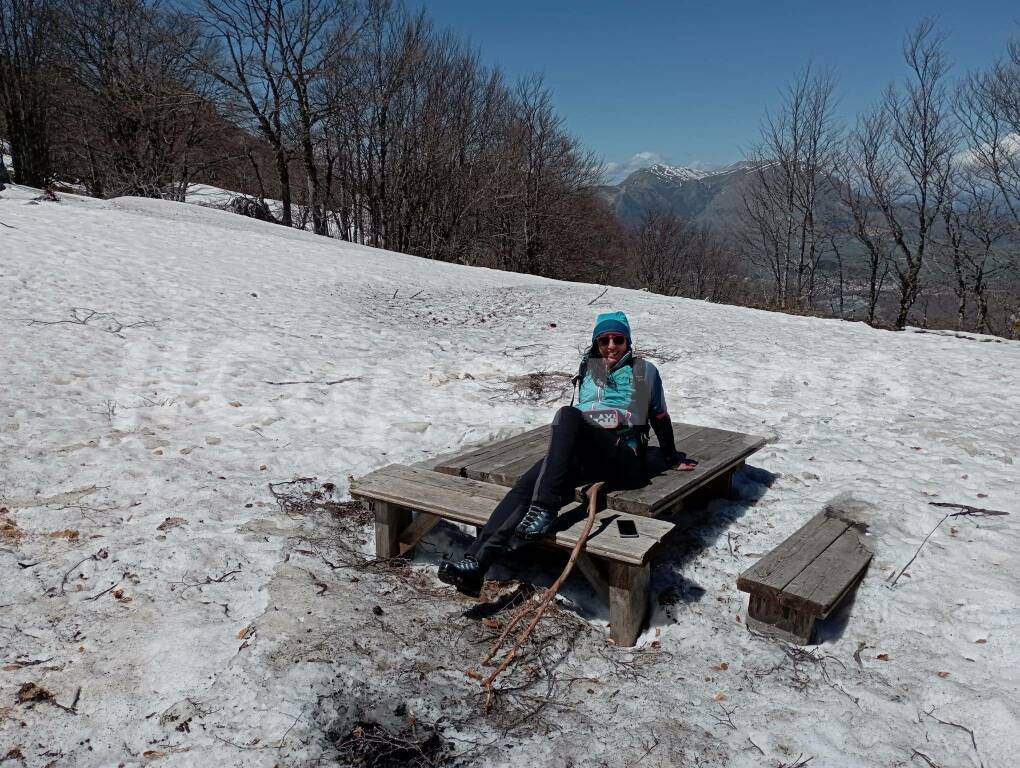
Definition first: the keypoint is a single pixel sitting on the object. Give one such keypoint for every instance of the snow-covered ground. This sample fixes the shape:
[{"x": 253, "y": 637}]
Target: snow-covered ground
[{"x": 151, "y": 583}]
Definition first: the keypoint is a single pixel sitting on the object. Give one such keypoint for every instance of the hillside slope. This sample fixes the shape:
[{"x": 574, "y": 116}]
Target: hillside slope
[{"x": 182, "y": 385}]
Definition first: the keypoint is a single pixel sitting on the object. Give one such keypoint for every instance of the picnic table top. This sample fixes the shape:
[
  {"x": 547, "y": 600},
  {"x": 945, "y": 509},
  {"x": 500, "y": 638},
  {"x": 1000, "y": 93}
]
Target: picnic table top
[{"x": 718, "y": 451}]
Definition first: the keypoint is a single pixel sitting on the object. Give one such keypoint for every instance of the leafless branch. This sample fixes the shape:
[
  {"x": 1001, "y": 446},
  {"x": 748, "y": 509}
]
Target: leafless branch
[
  {"x": 323, "y": 383},
  {"x": 106, "y": 321},
  {"x": 911, "y": 560},
  {"x": 967, "y": 509}
]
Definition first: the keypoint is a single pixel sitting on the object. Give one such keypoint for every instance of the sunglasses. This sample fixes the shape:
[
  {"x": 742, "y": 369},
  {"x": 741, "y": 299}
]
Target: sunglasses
[{"x": 617, "y": 340}]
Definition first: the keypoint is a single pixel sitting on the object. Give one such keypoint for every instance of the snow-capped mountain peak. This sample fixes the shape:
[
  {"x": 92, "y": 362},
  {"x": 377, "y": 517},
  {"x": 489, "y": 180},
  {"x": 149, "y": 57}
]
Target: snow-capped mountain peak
[{"x": 677, "y": 172}]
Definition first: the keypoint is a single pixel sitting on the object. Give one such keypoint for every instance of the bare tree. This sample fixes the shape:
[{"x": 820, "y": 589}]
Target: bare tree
[
  {"x": 785, "y": 221},
  {"x": 903, "y": 153},
  {"x": 863, "y": 158},
  {"x": 26, "y": 29},
  {"x": 662, "y": 254},
  {"x": 250, "y": 68},
  {"x": 988, "y": 106},
  {"x": 311, "y": 35},
  {"x": 678, "y": 258},
  {"x": 975, "y": 246},
  {"x": 133, "y": 112}
]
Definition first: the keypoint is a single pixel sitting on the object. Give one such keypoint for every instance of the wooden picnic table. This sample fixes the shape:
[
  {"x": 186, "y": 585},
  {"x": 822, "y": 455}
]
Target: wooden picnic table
[
  {"x": 467, "y": 485},
  {"x": 719, "y": 452}
]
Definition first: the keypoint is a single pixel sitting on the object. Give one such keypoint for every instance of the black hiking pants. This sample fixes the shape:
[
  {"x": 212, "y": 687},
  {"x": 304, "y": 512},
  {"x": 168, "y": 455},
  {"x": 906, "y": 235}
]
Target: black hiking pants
[{"x": 579, "y": 453}]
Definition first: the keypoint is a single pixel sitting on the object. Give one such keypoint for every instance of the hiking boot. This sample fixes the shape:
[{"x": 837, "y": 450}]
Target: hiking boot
[
  {"x": 466, "y": 575},
  {"x": 536, "y": 523}
]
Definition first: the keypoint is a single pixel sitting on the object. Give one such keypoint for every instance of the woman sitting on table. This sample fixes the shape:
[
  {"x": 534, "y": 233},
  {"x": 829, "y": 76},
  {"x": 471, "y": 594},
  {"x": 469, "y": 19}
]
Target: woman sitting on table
[{"x": 602, "y": 437}]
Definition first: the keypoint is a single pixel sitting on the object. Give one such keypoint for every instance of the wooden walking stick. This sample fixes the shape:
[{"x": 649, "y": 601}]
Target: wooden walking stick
[{"x": 542, "y": 605}]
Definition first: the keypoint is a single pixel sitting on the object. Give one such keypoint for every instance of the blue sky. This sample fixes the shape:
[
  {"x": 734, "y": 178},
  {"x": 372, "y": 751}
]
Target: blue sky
[{"x": 687, "y": 82}]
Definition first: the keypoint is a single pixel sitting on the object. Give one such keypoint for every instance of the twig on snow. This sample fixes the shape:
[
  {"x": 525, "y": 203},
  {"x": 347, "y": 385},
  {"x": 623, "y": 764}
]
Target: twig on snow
[
  {"x": 604, "y": 292},
  {"x": 926, "y": 759},
  {"x": 227, "y": 576},
  {"x": 323, "y": 383},
  {"x": 967, "y": 509},
  {"x": 726, "y": 718},
  {"x": 904, "y": 568},
  {"x": 965, "y": 729},
  {"x": 108, "y": 589},
  {"x": 113, "y": 325},
  {"x": 760, "y": 750},
  {"x": 798, "y": 763},
  {"x": 102, "y": 554}
]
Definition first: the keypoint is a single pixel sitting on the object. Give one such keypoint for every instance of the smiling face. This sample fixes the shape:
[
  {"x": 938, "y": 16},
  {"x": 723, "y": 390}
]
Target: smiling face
[{"x": 612, "y": 346}]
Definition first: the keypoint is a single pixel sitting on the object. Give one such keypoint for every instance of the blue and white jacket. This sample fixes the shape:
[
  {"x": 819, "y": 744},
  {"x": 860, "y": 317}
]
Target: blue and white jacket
[{"x": 637, "y": 397}]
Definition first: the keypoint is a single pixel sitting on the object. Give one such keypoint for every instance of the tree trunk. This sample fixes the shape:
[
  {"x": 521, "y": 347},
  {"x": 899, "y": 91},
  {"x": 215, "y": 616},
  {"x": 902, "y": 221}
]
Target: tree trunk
[{"x": 284, "y": 173}]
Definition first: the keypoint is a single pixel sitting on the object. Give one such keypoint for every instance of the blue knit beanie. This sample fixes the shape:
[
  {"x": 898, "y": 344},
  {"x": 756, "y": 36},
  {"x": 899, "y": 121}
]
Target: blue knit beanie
[{"x": 608, "y": 322}]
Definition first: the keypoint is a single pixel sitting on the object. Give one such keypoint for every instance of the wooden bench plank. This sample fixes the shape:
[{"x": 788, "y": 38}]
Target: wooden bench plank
[
  {"x": 470, "y": 501},
  {"x": 667, "y": 488},
  {"x": 509, "y": 474},
  {"x": 458, "y": 464},
  {"x": 823, "y": 584},
  {"x": 771, "y": 575},
  {"x": 520, "y": 456}
]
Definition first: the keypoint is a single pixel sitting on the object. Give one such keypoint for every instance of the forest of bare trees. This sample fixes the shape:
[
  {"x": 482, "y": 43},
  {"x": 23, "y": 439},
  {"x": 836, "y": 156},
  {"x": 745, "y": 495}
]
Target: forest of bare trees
[
  {"x": 360, "y": 120},
  {"x": 907, "y": 217}
]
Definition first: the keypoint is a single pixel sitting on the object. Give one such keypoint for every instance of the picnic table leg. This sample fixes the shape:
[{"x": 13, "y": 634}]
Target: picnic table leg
[
  {"x": 628, "y": 601},
  {"x": 722, "y": 486},
  {"x": 390, "y": 522}
]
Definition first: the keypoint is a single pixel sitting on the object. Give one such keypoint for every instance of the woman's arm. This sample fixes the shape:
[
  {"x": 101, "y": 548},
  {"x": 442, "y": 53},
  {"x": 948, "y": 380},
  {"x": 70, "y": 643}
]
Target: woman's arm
[{"x": 662, "y": 425}]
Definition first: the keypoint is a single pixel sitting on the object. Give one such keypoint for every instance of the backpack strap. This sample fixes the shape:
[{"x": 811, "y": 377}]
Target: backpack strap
[
  {"x": 640, "y": 368},
  {"x": 578, "y": 379}
]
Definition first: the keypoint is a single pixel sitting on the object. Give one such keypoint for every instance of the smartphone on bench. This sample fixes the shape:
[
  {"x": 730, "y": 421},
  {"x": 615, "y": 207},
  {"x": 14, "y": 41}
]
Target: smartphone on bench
[{"x": 627, "y": 529}]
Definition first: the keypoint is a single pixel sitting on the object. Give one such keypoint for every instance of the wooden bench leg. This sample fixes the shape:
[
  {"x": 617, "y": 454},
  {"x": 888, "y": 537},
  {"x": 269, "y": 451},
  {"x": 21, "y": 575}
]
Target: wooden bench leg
[
  {"x": 390, "y": 522},
  {"x": 628, "y": 601},
  {"x": 413, "y": 533},
  {"x": 766, "y": 615}
]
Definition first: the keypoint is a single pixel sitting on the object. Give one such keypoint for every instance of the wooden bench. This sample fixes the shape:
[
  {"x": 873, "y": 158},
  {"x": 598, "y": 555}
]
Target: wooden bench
[
  {"x": 395, "y": 491},
  {"x": 806, "y": 577}
]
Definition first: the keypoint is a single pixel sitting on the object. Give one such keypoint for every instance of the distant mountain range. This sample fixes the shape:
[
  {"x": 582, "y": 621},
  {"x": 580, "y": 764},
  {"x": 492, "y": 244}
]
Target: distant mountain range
[{"x": 713, "y": 197}]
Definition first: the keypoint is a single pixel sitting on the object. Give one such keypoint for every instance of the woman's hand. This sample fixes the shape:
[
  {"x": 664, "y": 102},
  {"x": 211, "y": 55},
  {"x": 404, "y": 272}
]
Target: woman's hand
[{"x": 685, "y": 465}]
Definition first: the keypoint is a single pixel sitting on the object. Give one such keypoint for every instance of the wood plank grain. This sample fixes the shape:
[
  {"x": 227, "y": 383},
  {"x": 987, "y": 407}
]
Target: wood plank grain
[
  {"x": 438, "y": 480},
  {"x": 458, "y": 463},
  {"x": 628, "y": 602},
  {"x": 511, "y": 473},
  {"x": 771, "y": 575},
  {"x": 826, "y": 580},
  {"x": 716, "y": 457},
  {"x": 523, "y": 454}
]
